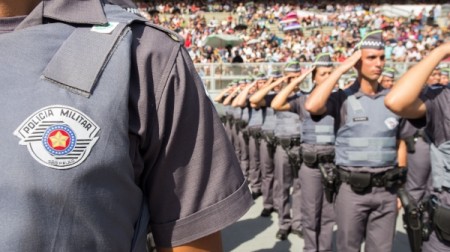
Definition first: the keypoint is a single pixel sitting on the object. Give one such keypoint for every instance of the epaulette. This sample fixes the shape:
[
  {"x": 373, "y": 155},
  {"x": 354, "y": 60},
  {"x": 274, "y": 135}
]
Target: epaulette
[{"x": 173, "y": 35}]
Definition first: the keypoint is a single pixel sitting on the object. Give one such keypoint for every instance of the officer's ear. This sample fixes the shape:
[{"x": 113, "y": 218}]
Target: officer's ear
[{"x": 358, "y": 65}]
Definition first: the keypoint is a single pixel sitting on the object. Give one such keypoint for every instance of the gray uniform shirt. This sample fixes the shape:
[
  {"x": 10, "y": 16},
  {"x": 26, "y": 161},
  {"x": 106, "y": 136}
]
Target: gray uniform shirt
[
  {"x": 182, "y": 160},
  {"x": 337, "y": 107},
  {"x": 437, "y": 114}
]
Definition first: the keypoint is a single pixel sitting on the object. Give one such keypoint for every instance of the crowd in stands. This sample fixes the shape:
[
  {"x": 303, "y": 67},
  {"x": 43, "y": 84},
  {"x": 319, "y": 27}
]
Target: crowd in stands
[{"x": 335, "y": 28}]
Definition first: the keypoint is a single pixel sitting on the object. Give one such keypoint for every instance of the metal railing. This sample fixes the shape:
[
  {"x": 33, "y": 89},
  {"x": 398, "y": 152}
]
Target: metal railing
[{"x": 217, "y": 76}]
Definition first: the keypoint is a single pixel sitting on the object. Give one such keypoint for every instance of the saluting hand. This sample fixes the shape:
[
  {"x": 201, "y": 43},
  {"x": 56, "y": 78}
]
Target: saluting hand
[
  {"x": 308, "y": 70},
  {"x": 351, "y": 61}
]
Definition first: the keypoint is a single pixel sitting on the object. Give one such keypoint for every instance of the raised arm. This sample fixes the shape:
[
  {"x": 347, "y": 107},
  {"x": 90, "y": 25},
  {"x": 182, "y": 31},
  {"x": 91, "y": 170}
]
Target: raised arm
[
  {"x": 230, "y": 97},
  {"x": 219, "y": 97},
  {"x": 317, "y": 100},
  {"x": 403, "y": 99},
  {"x": 241, "y": 99},
  {"x": 279, "y": 102},
  {"x": 257, "y": 99}
]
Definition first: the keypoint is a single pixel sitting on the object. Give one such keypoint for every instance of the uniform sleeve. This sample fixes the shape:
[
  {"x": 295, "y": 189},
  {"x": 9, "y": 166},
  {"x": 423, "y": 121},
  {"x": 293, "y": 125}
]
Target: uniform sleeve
[
  {"x": 191, "y": 176},
  {"x": 334, "y": 103},
  {"x": 268, "y": 98},
  {"x": 295, "y": 105}
]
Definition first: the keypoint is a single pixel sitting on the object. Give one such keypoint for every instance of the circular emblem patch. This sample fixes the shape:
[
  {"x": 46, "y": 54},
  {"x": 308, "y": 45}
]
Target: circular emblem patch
[
  {"x": 59, "y": 140},
  {"x": 59, "y": 137},
  {"x": 391, "y": 123}
]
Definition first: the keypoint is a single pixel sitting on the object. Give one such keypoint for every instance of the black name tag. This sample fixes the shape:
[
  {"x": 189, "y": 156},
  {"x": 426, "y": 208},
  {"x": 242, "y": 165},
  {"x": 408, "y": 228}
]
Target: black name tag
[{"x": 360, "y": 119}]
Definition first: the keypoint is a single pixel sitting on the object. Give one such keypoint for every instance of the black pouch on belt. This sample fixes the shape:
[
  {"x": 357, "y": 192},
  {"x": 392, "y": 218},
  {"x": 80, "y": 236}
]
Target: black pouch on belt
[
  {"x": 309, "y": 158},
  {"x": 285, "y": 143},
  {"x": 441, "y": 220},
  {"x": 359, "y": 181}
]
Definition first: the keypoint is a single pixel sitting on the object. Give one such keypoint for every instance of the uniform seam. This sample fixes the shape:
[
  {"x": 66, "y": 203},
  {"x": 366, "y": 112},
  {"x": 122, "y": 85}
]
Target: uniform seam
[{"x": 165, "y": 76}]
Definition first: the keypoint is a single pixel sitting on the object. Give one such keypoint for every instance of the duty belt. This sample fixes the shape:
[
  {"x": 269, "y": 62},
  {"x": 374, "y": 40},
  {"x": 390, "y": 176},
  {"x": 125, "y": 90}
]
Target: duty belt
[
  {"x": 361, "y": 181},
  {"x": 255, "y": 132},
  {"x": 442, "y": 189},
  {"x": 311, "y": 159},
  {"x": 287, "y": 143}
]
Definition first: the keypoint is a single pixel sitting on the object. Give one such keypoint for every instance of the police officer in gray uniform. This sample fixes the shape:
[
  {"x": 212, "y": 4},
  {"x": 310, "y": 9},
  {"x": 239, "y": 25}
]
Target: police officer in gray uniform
[
  {"x": 251, "y": 118},
  {"x": 387, "y": 77},
  {"x": 317, "y": 149},
  {"x": 114, "y": 132},
  {"x": 418, "y": 183},
  {"x": 285, "y": 136},
  {"x": 444, "y": 76},
  {"x": 261, "y": 99},
  {"x": 225, "y": 99},
  {"x": 240, "y": 104},
  {"x": 406, "y": 100},
  {"x": 236, "y": 115},
  {"x": 288, "y": 138},
  {"x": 366, "y": 150}
]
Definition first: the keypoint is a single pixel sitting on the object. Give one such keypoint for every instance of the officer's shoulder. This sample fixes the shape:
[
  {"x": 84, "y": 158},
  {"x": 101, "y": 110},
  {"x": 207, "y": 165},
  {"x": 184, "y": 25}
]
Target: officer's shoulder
[
  {"x": 142, "y": 25},
  {"x": 153, "y": 28},
  {"x": 160, "y": 37}
]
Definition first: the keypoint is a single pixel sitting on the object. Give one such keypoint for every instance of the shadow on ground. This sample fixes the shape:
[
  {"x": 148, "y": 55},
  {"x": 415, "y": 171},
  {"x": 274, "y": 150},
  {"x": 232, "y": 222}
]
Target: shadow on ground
[
  {"x": 279, "y": 246},
  {"x": 243, "y": 231}
]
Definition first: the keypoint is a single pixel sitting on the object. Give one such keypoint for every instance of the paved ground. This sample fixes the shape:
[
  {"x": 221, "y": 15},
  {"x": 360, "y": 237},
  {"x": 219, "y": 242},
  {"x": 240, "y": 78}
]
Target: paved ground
[{"x": 253, "y": 233}]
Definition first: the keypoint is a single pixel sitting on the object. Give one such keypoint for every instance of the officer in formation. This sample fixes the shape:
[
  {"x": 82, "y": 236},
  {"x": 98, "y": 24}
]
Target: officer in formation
[
  {"x": 367, "y": 150},
  {"x": 407, "y": 100},
  {"x": 317, "y": 152},
  {"x": 282, "y": 132},
  {"x": 445, "y": 71},
  {"x": 250, "y": 121},
  {"x": 261, "y": 100},
  {"x": 387, "y": 77},
  {"x": 418, "y": 183},
  {"x": 107, "y": 133},
  {"x": 235, "y": 124},
  {"x": 348, "y": 82}
]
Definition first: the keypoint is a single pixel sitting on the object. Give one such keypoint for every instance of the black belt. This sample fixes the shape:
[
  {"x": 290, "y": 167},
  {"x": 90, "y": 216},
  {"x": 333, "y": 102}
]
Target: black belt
[
  {"x": 360, "y": 181},
  {"x": 312, "y": 158},
  {"x": 442, "y": 189},
  {"x": 375, "y": 179},
  {"x": 254, "y": 129},
  {"x": 288, "y": 142}
]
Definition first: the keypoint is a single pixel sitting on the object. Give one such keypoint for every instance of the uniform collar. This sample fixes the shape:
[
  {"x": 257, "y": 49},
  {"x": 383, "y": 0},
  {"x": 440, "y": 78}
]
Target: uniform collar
[
  {"x": 69, "y": 11},
  {"x": 355, "y": 90}
]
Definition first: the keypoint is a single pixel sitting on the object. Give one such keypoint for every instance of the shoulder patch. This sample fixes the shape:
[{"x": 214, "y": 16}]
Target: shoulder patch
[{"x": 59, "y": 137}]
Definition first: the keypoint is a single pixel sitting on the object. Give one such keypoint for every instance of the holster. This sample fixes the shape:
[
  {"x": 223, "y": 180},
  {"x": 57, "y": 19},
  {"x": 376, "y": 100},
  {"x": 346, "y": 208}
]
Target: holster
[
  {"x": 412, "y": 220},
  {"x": 295, "y": 162},
  {"x": 329, "y": 182},
  {"x": 271, "y": 143},
  {"x": 246, "y": 136},
  {"x": 440, "y": 216},
  {"x": 237, "y": 125},
  {"x": 410, "y": 144}
]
